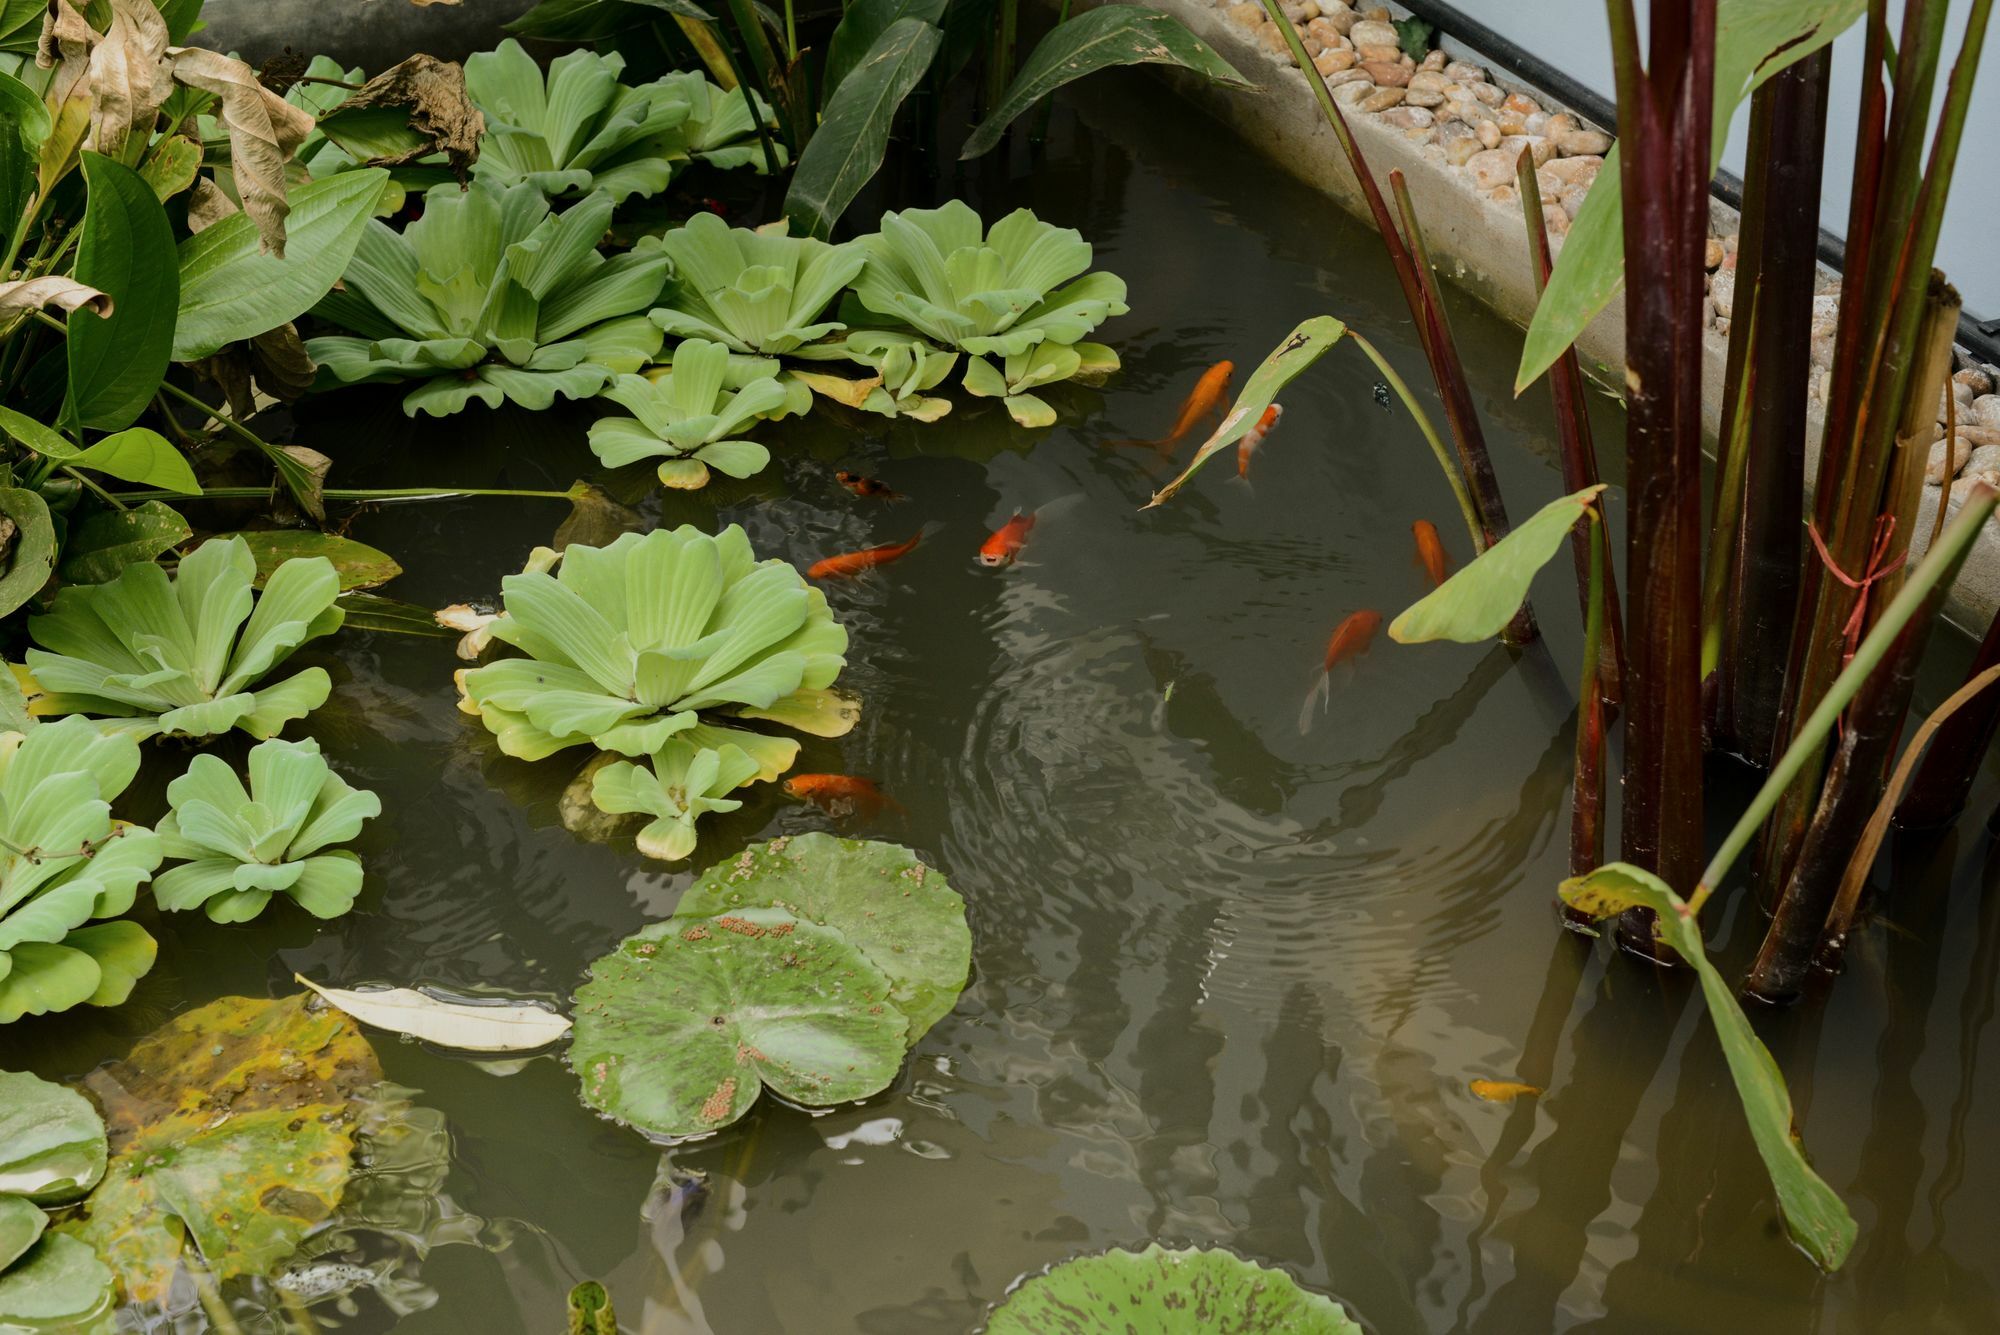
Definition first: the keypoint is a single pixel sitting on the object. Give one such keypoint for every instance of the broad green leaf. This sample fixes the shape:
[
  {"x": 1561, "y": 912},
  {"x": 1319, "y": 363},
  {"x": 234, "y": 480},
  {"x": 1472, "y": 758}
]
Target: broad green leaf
[
  {"x": 171, "y": 168},
  {"x": 901, "y": 913},
  {"x": 140, "y": 454},
  {"x": 1481, "y": 597},
  {"x": 24, "y": 123},
  {"x": 21, "y": 1224},
  {"x": 126, "y": 250},
  {"x": 232, "y": 1130},
  {"x": 230, "y": 291},
  {"x": 1302, "y": 347},
  {"x": 1100, "y": 39},
  {"x": 109, "y": 540},
  {"x": 863, "y": 22},
  {"x": 1754, "y": 39},
  {"x": 59, "y": 1285},
  {"x": 51, "y": 1140},
  {"x": 1160, "y": 1291},
  {"x": 358, "y": 565},
  {"x": 33, "y": 553},
  {"x": 688, "y": 1020},
  {"x": 1814, "y": 1214},
  {"x": 43, "y": 440},
  {"x": 847, "y": 148}
]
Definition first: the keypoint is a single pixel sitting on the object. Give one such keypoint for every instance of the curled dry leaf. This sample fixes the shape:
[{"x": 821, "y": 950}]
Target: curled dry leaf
[
  {"x": 264, "y": 132},
  {"x": 64, "y": 294},
  {"x": 66, "y": 36},
  {"x": 476, "y": 625},
  {"x": 130, "y": 76},
  {"x": 208, "y": 204},
  {"x": 439, "y": 112},
  {"x": 471, "y": 1026},
  {"x": 274, "y": 363}
]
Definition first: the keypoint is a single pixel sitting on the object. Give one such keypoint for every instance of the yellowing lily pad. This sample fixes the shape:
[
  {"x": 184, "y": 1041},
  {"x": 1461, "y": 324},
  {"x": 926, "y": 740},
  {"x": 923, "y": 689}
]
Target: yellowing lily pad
[{"x": 688, "y": 1020}]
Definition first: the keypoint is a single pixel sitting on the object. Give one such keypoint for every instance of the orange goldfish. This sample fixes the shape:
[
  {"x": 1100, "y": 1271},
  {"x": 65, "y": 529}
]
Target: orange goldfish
[
  {"x": 1430, "y": 552},
  {"x": 840, "y": 794},
  {"x": 1502, "y": 1091},
  {"x": 1350, "y": 639},
  {"x": 1004, "y": 546},
  {"x": 1205, "y": 398},
  {"x": 1255, "y": 437},
  {"x": 848, "y": 564},
  {"x": 866, "y": 486}
]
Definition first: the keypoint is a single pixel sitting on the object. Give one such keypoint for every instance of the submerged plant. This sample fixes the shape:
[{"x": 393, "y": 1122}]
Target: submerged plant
[
  {"x": 67, "y": 869},
  {"x": 689, "y": 417},
  {"x": 489, "y": 296},
  {"x": 685, "y": 783},
  {"x": 672, "y": 633},
  {"x": 182, "y": 655},
  {"x": 760, "y": 292},
  {"x": 243, "y": 846},
  {"x": 578, "y": 131}
]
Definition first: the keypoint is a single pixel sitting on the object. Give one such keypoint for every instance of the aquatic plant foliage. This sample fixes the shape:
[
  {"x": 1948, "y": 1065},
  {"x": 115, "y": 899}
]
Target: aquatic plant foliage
[
  {"x": 52, "y": 1151},
  {"x": 245, "y": 845},
  {"x": 759, "y": 291},
  {"x": 68, "y": 871},
  {"x": 689, "y": 417},
  {"x": 685, "y": 783},
  {"x": 1166, "y": 1291},
  {"x": 489, "y": 296},
  {"x": 182, "y": 654},
  {"x": 906, "y": 368},
  {"x": 809, "y": 966}
]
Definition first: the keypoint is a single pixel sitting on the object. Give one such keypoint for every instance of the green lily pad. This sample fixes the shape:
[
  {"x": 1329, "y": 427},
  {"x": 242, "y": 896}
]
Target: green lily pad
[
  {"x": 231, "y": 1126},
  {"x": 21, "y": 1223},
  {"x": 688, "y": 1020},
  {"x": 51, "y": 1140},
  {"x": 1166, "y": 1292},
  {"x": 880, "y": 896},
  {"x": 60, "y": 1285}
]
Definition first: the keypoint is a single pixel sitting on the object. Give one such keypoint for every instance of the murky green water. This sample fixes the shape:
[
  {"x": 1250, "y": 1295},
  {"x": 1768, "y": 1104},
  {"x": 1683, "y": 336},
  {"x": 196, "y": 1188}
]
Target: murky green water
[{"x": 1230, "y": 982}]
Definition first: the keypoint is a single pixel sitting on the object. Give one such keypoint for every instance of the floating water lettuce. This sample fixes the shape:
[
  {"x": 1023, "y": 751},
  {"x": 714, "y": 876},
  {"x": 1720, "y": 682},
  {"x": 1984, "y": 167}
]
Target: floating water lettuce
[
  {"x": 231, "y": 1130},
  {"x": 990, "y": 293},
  {"x": 577, "y": 131},
  {"x": 809, "y": 966},
  {"x": 684, "y": 783},
  {"x": 52, "y": 1151},
  {"x": 718, "y": 129},
  {"x": 243, "y": 846},
  {"x": 67, "y": 871},
  {"x": 489, "y": 296},
  {"x": 689, "y": 418},
  {"x": 180, "y": 655},
  {"x": 1164, "y": 1291},
  {"x": 760, "y": 292},
  {"x": 667, "y": 634},
  {"x": 905, "y": 367}
]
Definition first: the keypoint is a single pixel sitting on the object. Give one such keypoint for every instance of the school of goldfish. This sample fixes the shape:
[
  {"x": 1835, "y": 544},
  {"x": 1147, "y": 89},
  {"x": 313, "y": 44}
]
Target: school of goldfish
[{"x": 845, "y": 795}]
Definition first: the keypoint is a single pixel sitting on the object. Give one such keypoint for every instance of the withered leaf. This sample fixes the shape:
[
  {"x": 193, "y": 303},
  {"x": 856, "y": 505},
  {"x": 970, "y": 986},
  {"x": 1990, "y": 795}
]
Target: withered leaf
[
  {"x": 33, "y": 294},
  {"x": 129, "y": 75},
  {"x": 438, "y": 111},
  {"x": 264, "y": 132}
]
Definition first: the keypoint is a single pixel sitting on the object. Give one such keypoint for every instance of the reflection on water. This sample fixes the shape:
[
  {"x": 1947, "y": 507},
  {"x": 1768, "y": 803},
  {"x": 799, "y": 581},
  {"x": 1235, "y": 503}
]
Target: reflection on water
[{"x": 1230, "y": 982}]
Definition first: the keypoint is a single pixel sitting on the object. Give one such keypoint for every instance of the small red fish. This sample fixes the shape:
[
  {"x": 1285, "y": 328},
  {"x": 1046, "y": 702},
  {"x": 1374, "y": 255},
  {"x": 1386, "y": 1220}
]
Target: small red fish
[
  {"x": 848, "y": 564},
  {"x": 1350, "y": 639},
  {"x": 1255, "y": 437},
  {"x": 1205, "y": 398},
  {"x": 1004, "y": 546},
  {"x": 840, "y": 794},
  {"x": 867, "y": 486},
  {"x": 1430, "y": 552}
]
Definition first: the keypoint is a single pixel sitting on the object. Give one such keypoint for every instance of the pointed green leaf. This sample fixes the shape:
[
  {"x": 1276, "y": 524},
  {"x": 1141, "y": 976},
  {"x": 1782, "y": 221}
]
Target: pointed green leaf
[
  {"x": 126, "y": 250},
  {"x": 138, "y": 454},
  {"x": 847, "y": 148},
  {"x": 860, "y": 26},
  {"x": 1481, "y": 597}
]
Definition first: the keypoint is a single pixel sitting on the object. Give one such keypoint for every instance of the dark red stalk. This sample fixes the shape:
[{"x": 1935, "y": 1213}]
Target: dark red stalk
[
  {"x": 1665, "y": 112},
  {"x": 1586, "y": 827},
  {"x": 1944, "y": 777},
  {"x": 1579, "y": 458},
  {"x": 1780, "y": 261}
]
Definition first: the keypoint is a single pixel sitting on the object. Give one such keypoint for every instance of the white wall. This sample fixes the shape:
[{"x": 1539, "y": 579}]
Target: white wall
[{"x": 1571, "y": 35}]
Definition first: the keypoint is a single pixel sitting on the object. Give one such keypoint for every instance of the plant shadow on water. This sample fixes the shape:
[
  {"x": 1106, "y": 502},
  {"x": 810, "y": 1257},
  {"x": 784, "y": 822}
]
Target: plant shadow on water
[{"x": 1231, "y": 982}]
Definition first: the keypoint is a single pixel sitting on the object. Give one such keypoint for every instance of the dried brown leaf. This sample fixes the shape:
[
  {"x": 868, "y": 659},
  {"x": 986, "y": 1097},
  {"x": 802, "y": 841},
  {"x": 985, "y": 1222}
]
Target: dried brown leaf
[
  {"x": 66, "y": 36},
  {"x": 208, "y": 204},
  {"x": 129, "y": 75},
  {"x": 34, "y": 294},
  {"x": 433, "y": 92},
  {"x": 264, "y": 132}
]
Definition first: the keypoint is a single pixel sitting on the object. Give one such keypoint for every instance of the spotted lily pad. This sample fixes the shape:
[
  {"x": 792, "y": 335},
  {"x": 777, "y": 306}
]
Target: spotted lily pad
[
  {"x": 900, "y": 912},
  {"x": 682, "y": 1026},
  {"x": 1166, "y": 1292},
  {"x": 51, "y": 1140},
  {"x": 231, "y": 1129}
]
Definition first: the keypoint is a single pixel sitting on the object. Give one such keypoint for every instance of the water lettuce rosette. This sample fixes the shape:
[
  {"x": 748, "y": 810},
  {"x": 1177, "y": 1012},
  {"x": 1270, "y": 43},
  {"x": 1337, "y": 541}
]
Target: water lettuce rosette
[
  {"x": 689, "y": 417},
  {"x": 759, "y": 292}
]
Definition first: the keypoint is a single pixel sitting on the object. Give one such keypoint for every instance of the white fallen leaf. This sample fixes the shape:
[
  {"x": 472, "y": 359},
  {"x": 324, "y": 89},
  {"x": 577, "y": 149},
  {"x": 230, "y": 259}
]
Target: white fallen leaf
[{"x": 469, "y": 1026}]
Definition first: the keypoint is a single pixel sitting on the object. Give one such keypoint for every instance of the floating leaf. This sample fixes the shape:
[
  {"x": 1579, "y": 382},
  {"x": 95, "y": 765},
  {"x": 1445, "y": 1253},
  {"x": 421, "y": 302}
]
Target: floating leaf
[
  {"x": 109, "y": 540},
  {"x": 51, "y": 1140},
  {"x": 471, "y": 1026},
  {"x": 59, "y": 1285},
  {"x": 231, "y": 1128},
  {"x": 1300, "y": 349},
  {"x": 901, "y": 913},
  {"x": 1100, "y": 39},
  {"x": 1478, "y": 601},
  {"x": 358, "y": 565},
  {"x": 21, "y": 1226},
  {"x": 590, "y": 1310},
  {"x": 1160, "y": 1291},
  {"x": 1814, "y": 1214},
  {"x": 687, "y": 1021}
]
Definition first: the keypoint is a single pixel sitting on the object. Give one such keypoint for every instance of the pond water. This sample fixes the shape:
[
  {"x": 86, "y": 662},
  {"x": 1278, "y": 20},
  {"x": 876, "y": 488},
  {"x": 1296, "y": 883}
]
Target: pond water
[{"x": 1230, "y": 982}]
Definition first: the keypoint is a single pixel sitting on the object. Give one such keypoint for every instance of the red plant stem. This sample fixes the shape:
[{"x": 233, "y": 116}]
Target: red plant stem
[
  {"x": 1944, "y": 778},
  {"x": 1665, "y": 110},
  {"x": 1586, "y": 827}
]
